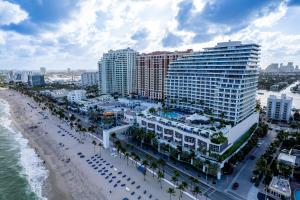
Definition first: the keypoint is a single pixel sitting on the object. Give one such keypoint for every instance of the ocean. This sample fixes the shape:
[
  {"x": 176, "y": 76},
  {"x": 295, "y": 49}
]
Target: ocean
[{"x": 22, "y": 172}]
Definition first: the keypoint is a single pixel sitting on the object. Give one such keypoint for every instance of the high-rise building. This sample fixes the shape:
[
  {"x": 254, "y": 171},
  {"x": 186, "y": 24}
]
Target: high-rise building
[
  {"x": 287, "y": 68},
  {"x": 279, "y": 108},
  {"x": 117, "y": 72},
  {"x": 151, "y": 72},
  {"x": 89, "y": 78},
  {"x": 220, "y": 80},
  {"x": 36, "y": 80},
  {"x": 43, "y": 70},
  {"x": 273, "y": 68}
]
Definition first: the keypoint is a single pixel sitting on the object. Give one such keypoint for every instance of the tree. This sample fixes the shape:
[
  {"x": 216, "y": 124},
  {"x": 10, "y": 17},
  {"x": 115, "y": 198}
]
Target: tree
[
  {"x": 160, "y": 176},
  {"x": 114, "y": 136},
  {"x": 171, "y": 191},
  {"x": 145, "y": 164},
  {"x": 153, "y": 166},
  {"x": 196, "y": 191},
  {"x": 182, "y": 188},
  {"x": 152, "y": 110},
  {"x": 174, "y": 179},
  {"x": 100, "y": 146},
  {"x": 261, "y": 165},
  {"x": 162, "y": 164},
  {"x": 284, "y": 169},
  {"x": 127, "y": 156},
  {"x": 193, "y": 180},
  {"x": 207, "y": 164},
  {"x": 94, "y": 143}
]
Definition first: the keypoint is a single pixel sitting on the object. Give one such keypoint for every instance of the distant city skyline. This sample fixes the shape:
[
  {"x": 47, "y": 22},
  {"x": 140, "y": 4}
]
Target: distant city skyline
[{"x": 35, "y": 34}]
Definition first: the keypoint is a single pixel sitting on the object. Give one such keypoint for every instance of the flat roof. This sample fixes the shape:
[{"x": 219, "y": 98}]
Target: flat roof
[
  {"x": 280, "y": 185},
  {"x": 287, "y": 158}
]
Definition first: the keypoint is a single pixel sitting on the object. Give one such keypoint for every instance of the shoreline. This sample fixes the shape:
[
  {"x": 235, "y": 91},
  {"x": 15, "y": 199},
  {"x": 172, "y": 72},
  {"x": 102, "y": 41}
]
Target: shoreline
[
  {"x": 57, "y": 185},
  {"x": 76, "y": 177},
  {"x": 49, "y": 185}
]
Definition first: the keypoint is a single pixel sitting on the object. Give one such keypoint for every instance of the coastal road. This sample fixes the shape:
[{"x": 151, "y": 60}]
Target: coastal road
[{"x": 243, "y": 171}]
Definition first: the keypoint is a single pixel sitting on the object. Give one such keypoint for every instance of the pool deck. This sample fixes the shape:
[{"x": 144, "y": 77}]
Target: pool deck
[{"x": 295, "y": 186}]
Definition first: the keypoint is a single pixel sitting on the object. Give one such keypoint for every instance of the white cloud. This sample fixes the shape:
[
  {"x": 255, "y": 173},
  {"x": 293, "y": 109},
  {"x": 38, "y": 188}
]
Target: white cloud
[
  {"x": 102, "y": 25},
  {"x": 11, "y": 13}
]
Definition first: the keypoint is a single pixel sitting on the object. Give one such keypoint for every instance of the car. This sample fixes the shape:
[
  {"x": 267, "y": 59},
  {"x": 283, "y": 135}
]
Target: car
[
  {"x": 253, "y": 179},
  {"x": 235, "y": 186},
  {"x": 79, "y": 153},
  {"x": 252, "y": 157},
  {"x": 259, "y": 144}
]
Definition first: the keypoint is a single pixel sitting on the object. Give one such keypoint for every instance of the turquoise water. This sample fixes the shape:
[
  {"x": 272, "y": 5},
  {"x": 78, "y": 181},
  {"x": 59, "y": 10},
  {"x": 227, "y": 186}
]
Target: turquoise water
[
  {"x": 21, "y": 171},
  {"x": 170, "y": 115},
  {"x": 297, "y": 194}
]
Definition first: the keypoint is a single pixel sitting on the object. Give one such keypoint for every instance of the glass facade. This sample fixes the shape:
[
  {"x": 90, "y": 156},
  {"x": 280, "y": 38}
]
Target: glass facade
[{"x": 221, "y": 80}]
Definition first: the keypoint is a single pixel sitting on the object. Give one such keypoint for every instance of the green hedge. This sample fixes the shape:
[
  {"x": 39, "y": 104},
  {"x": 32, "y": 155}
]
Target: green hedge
[{"x": 238, "y": 143}]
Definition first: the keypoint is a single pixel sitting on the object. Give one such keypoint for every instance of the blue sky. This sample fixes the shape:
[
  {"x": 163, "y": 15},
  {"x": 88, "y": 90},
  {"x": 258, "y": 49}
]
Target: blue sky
[{"x": 58, "y": 34}]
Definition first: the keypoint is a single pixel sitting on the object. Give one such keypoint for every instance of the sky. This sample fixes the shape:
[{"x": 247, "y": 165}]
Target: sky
[{"x": 61, "y": 34}]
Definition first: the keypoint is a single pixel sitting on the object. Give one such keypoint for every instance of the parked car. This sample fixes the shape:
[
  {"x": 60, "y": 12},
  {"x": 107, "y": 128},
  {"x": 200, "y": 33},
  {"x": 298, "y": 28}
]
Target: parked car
[
  {"x": 253, "y": 179},
  {"x": 259, "y": 144},
  {"x": 235, "y": 186}
]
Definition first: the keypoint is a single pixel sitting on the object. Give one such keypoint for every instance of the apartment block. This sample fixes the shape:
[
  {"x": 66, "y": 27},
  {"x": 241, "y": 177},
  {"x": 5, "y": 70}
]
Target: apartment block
[
  {"x": 279, "y": 108},
  {"x": 152, "y": 70},
  {"x": 89, "y": 78},
  {"x": 220, "y": 80},
  {"x": 36, "y": 80},
  {"x": 76, "y": 95},
  {"x": 117, "y": 72}
]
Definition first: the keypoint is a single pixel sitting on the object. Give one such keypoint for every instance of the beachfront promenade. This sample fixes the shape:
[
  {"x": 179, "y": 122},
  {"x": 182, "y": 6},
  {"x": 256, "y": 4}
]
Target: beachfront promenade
[{"x": 107, "y": 175}]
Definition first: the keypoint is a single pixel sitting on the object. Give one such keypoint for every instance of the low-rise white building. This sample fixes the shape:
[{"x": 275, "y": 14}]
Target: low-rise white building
[
  {"x": 279, "y": 108},
  {"x": 280, "y": 188},
  {"x": 76, "y": 95},
  {"x": 56, "y": 94},
  {"x": 287, "y": 159},
  {"x": 87, "y": 104},
  {"x": 193, "y": 137}
]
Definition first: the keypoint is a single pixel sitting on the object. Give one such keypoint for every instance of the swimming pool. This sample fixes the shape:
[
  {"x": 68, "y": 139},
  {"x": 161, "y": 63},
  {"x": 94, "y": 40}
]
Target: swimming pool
[
  {"x": 170, "y": 115},
  {"x": 297, "y": 194}
]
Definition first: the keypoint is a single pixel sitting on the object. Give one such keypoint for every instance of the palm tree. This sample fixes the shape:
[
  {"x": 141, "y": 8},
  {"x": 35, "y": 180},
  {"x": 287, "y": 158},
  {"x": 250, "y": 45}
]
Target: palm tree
[
  {"x": 162, "y": 164},
  {"x": 145, "y": 164},
  {"x": 174, "y": 179},
  {"x": 137, "y": 158},
  {"x": 114, "y": 136},
  {"x": 94, "y": 143},
  {"x": 193, "y": 180},
  {"x": 171, "y": 191},
  {"x": 182, "y": 188},
  {"x": 160, "y": 176},
  {"x": 261, "y": 165},
  {"x": 153, "y": 166},
  {"x": 127, "y": 156},
  {"x": 179, "y": 151},
  {"x": 192, "y": 156},
  {"x": 207, "y": 164},
  {"x": 100, "y": 146},
  {"x": 214, "y": 169},
  {"x": 196, "y": 191}
]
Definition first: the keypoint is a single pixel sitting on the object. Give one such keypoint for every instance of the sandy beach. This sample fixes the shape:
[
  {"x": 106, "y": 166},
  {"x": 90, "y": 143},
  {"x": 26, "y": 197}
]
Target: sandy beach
[
  {"x": 64, "y": 181},
  {"x": 78, "y": 178}
]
